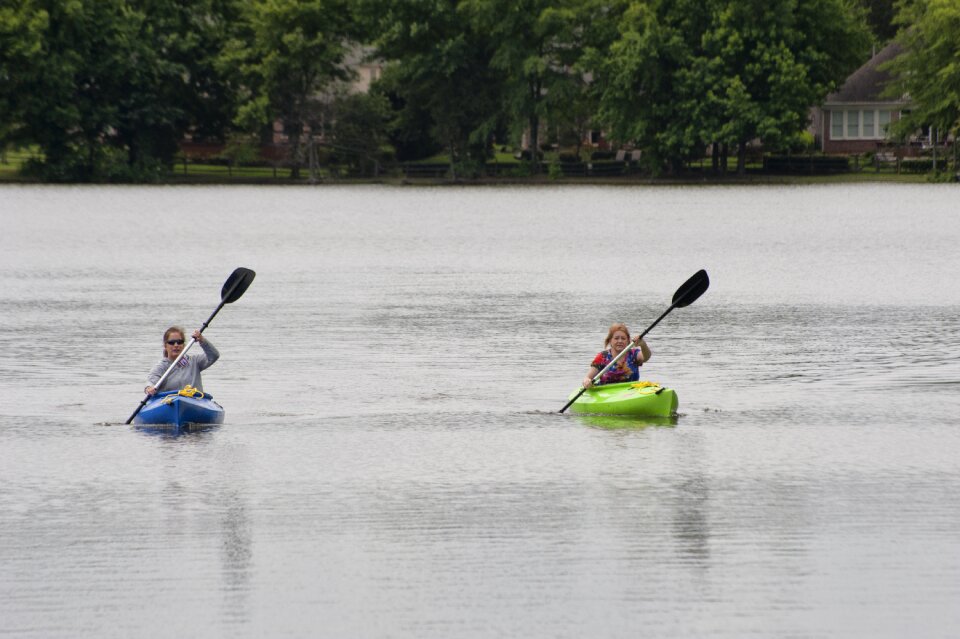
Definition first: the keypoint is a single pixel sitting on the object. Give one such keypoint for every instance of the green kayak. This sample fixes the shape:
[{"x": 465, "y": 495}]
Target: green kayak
[{"x": 644, "y": 399}]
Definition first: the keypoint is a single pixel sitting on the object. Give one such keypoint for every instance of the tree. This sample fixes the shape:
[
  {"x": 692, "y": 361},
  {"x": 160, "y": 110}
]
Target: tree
[
  {"x": 284, "y": 56},
  {"x": 21, "y": 44},
  {"x": 102, "y": 87},
  {"x": 638, "y": 79},
  {"x": 928, "y": 70},
  {"x": 571, "y": 101},
  {"x": 172, "y": 86},
  {"x": 192, "y": 34},
  {"x": 66, "y": 92},
  {"x": 439, "y": 65},
  {"x": 880, "y": 16},
  {"x": 781, "y": 57},
  {"x": 358, "y": 128},
  {"x": 689, "y": 73},
  {"x": 535, "y": 47}
]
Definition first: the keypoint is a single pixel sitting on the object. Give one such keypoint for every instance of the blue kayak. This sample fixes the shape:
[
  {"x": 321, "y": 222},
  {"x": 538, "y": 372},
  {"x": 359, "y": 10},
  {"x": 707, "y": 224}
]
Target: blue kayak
[{"x": 179, "y": 409}]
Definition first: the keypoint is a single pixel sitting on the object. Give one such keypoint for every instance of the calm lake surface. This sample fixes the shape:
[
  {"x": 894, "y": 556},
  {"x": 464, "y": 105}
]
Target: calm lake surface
[{"x": 393, "y": 463}]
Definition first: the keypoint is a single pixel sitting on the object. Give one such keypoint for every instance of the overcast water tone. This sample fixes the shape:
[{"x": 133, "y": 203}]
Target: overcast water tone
[{"x": 393, "y": 463}]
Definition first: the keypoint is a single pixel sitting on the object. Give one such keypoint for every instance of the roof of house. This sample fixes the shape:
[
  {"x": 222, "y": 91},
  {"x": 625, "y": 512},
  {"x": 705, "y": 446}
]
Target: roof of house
[{"x": 867, "y": 84}]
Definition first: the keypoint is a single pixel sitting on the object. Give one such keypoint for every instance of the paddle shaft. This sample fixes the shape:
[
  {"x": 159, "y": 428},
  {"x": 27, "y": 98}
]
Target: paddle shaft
[{"x": 224, "y": 298}]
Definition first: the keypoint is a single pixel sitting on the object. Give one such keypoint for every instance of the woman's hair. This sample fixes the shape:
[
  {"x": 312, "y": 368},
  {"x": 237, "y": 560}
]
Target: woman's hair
[
  {"x": 613, "y": 329},
  {"x": 170, "y": 331}
]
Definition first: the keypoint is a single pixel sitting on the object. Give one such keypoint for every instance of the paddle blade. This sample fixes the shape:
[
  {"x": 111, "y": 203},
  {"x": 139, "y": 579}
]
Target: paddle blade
[
  {"x": 693, "y": 288},
  {"x": 236, "y": 285}
]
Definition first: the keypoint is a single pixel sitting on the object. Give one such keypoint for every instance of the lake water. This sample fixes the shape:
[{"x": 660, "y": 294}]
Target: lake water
[{"x": 393, "y": 463}]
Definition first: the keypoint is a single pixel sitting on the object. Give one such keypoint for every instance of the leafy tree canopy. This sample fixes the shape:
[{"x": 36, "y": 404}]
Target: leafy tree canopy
[
  {"x": 105, "y": 88},
  {"x": 928, "y": 70},
  {"x": 683, "y": 74}
]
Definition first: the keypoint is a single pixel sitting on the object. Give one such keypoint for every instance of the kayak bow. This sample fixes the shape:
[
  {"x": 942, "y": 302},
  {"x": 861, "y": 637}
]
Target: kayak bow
[
  {"x": 181, "y": 408},
  {"x": 643, "y": 399}
]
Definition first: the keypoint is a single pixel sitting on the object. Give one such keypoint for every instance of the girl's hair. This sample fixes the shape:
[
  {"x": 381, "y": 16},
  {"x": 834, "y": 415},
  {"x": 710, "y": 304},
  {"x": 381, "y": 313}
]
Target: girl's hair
[
  {"x": 167, "y": 333},
  {"x": 613, "y": 329}
]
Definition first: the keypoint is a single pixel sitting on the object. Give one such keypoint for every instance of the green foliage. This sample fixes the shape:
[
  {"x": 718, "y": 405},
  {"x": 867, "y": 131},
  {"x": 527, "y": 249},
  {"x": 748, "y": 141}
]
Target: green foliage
[
  {"x": 440, "y": 74},
  {"x": 108, "y": 164},
  {"x": 21, "y": 43},
  {"x": 105, "y": 88},
  {"x": 554, "y": 171},
  {"x": 284, "y": 55},
  {"x": 522, "y": 170},
  {"x": 880, "y": 15},
  {"x": 359, "y": 127},
  {"x": 534, "y": 47},
  {"x": 928, "y": 70},
  {"x": 686, "y": 73},
  {"x": 241, "y": 149}
]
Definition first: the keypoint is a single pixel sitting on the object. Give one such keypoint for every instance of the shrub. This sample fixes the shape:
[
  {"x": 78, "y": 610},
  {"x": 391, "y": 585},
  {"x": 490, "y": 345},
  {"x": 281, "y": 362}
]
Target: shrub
[
  {"x": 520, "y": 171},
  {"x": 525, "y": 155}
]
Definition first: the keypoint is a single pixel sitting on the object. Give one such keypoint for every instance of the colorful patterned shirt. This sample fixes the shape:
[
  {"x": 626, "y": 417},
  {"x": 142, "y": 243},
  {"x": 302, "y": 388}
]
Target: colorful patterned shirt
[{"x": 627, "y": 368}]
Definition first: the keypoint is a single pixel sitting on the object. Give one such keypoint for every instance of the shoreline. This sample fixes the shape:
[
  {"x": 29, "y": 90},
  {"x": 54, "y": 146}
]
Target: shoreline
[{"x": 861, "y": 177}]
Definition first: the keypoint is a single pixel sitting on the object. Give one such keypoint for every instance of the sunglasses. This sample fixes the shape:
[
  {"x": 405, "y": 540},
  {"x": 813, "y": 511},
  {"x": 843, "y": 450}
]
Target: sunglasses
[{"x": 174, "y": 342}]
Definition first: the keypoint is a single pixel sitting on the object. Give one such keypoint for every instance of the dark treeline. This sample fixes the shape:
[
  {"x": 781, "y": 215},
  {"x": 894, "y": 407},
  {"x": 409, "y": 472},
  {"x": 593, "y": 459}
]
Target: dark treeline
[{"x": 108, "y": 89}]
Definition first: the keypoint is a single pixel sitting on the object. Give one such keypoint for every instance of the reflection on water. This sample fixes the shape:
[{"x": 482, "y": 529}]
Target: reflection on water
[
  {"x": 173, "y": 430},
  {"x": 393, "y": 463},
  {"x": 628, "y": 422}
]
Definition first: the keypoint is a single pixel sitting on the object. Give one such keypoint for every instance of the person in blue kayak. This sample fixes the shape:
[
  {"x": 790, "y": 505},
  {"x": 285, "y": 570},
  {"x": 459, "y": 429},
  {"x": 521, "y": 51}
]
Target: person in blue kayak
[
  {"x": 187, "y": 371},
  {"x": 627, "y": 368}
]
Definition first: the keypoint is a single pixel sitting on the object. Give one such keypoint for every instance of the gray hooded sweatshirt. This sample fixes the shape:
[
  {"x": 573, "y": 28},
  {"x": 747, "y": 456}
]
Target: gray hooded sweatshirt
[{"x": 187, "y": 370}]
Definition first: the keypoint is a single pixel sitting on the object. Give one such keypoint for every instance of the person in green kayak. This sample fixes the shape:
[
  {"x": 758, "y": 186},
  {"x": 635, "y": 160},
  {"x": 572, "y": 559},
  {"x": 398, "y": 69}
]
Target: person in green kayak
[
  {"x": 187, "y": 370},
  {"x": 627, "y": 368}
]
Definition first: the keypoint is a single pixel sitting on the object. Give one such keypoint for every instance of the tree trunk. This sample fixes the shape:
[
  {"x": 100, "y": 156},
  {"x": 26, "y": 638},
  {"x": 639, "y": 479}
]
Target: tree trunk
[
  {"x": 535, "y": 93},
  {"x": 534, "y": 144},
  {"x": 453, "y": 161},
  {"x": 956, "y": 155},
  {"x": 295, "y": 155},
  {"x": 742, "y": 158},
  {"x": 294, "y": 129},
  {"x": 313, "y": 160},
  {"x": 933, "y": 139}
]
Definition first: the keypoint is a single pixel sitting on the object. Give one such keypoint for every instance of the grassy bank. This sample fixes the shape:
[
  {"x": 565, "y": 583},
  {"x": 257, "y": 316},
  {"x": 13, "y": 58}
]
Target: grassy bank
[{"x": 211, "y": 173}]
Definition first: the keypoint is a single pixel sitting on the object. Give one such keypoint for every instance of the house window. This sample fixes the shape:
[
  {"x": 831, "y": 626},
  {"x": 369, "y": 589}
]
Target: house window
[
  {"x": 860, "y": 124},
  {"x": 868, "y": 130},
  {"x": 853, "y": 124},
  {"x": 836, "y": 124},
  {"x": 884, "y": 120}
]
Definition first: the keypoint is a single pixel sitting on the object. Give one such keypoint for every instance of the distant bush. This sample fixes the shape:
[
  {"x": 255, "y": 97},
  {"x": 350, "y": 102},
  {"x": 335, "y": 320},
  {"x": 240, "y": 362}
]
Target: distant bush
[
  {"x": 603, "y": 155},
  {"x": 519, "y": 171},
  {"x": 525, "y": 155},
  {"x": 109, "y": 166},
  {"x": 811, "y": 165},
  {"x": 802, "y": 142},
  {"x": 921, "y": 165}
]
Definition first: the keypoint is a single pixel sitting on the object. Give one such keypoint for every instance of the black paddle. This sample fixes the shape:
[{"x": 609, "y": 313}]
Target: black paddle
[
  {"x": 233, "y": 288},
  {"x": 686, "y": 295}
]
